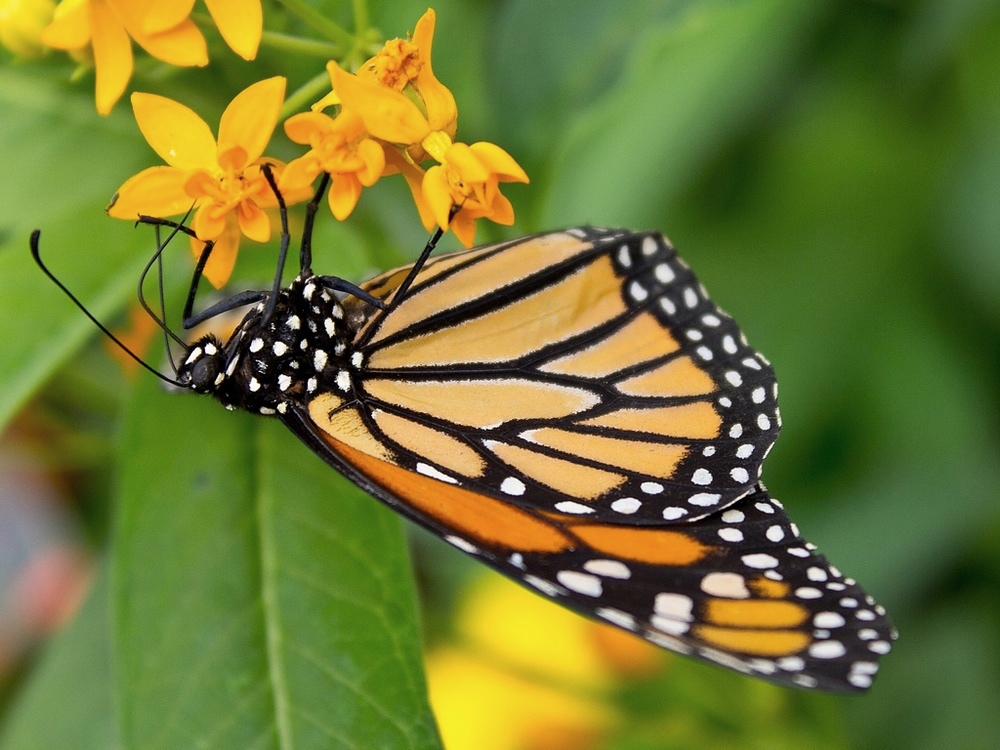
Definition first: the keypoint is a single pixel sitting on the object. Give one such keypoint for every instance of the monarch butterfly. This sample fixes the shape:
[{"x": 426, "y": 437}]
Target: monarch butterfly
[{"x": 573, "y": 410}]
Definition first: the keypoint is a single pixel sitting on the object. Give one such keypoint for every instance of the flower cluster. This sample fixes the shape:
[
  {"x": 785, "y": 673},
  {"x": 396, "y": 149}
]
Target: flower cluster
[
  {"x": 390, "y": 117},
  {"x": 101, "y": 32},
  {"x": 393, "y": 115}
]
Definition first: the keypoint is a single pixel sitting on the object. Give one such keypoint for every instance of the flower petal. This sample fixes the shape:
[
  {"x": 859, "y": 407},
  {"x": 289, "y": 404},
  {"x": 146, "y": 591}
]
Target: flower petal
[
  {"x": 70, "y": 27},
  {"x": 250, "y": 118},
  {"x": 220, "y": 263},
  {"x": 437, "y": 193},
  {"x": 112, "y": 55},
  {"x": 304, "y": 127},
  {"x": 439, "y": 103},
  {"x": 345, "y": 190},
  {"x": 414, "y": 176},
  {"x": 387, "y": 114},
  {"x": 201, "y": 184},
  {"x": 232, "y": 159},
  {"x": 210, "y": 222},
  {"x": 162, "y": 15},
  {"x": 157, "y": 191},
  {"x": 423, "y": 34},
  {"x": 501, "y": 212},
  {"x": 181, "y": 45},
  {"x": 464, "y": 162},
  {"x": 464, "y": 227},
  {"x": 254, "y": 223},
  {"x": 240, "y": 23},
  {"x": 499, "y": 162},
  {"x": 176, "y": 133},
  {"x": 373, "y": 156},
  {"x": 299, "y": 173},
  {"x": 330, "y": 100}
]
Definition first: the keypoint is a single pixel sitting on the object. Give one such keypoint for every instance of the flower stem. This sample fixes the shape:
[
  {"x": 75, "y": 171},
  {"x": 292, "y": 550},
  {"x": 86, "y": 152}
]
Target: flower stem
[
  {"x": 321, "y": 23},
  {"x": 300, "y": 99},
  {"x": 298, "y": 45},
  {"x": 361, "y": 20}
]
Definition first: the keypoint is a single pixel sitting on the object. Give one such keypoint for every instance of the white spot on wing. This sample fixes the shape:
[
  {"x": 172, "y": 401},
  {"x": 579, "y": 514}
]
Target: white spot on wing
[{"x": 429, "y": 471}]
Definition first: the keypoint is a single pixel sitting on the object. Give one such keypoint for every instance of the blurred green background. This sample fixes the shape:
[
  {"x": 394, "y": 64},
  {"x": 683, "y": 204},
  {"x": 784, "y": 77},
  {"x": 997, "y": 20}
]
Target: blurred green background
[{"x": 831, "y": 169}]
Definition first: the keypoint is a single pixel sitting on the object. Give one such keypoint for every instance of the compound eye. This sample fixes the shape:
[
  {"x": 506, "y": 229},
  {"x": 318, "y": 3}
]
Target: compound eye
[{"x": 204, "y": 373}]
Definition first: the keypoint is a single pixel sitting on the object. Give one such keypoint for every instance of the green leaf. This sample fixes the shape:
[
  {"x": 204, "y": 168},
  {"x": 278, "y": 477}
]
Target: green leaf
[
  {"x": 260, "y": 600},
  {"x": 689, "y": 87},
  {"x": 54, "y": 181},
  {"x": 75, "y": 676}
]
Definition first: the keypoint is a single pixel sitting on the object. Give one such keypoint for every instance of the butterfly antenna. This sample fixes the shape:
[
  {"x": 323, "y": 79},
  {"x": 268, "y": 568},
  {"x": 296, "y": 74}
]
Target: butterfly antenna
[
  {"x": 157, "y": 258},
  {"x": 36, "y": 254},
  {"x": 272, "y": 301},
  {"x": 415, "y": 269},
  {"x": 305, "y": 252}
]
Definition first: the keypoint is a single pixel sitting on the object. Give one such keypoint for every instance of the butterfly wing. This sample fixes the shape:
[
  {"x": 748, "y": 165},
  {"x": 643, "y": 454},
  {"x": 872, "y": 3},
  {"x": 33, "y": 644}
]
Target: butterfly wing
[
  {"x": 574, "y": 411},
  {"x": 739, "y": 588},
  {"x": 582, "y": 372}
]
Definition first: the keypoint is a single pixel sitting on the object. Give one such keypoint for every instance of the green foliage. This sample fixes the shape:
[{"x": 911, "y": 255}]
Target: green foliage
[{"x": 831, "y": 171}]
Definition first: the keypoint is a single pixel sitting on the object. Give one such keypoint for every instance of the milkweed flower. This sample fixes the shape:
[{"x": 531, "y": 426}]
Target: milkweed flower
[
  {"x": 402, "y": 106},
  {"x": 339, "y": 147},
  {"x": 221, "y": 179},
  {"x": 102, "y": 30},
  {"x": 468, "y": 179},
  {"x": 396, "y": 92},
  {"x": 21, "y": 24}
]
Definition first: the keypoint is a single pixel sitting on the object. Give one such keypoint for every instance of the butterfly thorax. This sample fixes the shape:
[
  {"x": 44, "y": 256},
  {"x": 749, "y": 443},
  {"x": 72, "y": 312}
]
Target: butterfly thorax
[{"x": 266, "y": 365}]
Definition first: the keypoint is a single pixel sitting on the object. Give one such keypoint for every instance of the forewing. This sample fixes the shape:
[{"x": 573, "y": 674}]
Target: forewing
[{"x": 585, "y": 372}]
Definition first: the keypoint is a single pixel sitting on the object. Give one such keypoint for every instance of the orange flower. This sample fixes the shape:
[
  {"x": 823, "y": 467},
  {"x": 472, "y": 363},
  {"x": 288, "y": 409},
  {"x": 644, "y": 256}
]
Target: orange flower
[
  {"x": 222, "y": 180},
  {"x": 396, "y": 92},
  {"x": 396, "y": 105},
  {"x": 339, "y": 146},
  {"x": 468, "y": 178}
]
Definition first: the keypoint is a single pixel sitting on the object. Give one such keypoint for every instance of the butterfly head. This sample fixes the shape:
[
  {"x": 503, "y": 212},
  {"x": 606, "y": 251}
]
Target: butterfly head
[
  {"x": 203, "y": 369},
  {"x": 273, "y": 357}
]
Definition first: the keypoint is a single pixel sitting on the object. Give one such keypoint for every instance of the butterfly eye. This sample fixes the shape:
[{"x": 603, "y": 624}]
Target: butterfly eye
[{"x": 204, "y": 373}]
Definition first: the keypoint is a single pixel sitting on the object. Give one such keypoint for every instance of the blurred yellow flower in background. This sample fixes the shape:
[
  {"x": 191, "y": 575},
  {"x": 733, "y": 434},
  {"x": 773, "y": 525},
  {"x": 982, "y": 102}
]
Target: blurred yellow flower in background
[
  {"x": 525, "y": 674},
  {"x": 21, "y": 24},
  {"x": 101, "y": 32}
]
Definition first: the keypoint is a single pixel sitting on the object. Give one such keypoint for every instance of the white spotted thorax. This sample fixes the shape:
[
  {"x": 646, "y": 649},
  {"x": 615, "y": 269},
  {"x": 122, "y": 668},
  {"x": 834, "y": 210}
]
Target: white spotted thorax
[{"x": 261, "y": 368}]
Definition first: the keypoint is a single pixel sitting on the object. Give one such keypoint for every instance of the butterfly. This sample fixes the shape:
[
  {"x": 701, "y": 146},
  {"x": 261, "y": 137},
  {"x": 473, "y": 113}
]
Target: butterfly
[{"x": 571, "y": 409}]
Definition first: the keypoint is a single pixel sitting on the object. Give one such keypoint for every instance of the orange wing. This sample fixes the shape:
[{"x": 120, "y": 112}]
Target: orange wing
[
  {"x": 579, "y": 372},
  {"x": 573, "y": 410}
]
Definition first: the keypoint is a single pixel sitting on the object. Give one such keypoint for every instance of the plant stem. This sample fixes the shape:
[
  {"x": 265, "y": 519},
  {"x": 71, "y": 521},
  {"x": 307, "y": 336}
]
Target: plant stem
[
  {"x": 307, "y": 47},
  {"x": 300, "y": 99},
  {"x": 321, "y": 23}
]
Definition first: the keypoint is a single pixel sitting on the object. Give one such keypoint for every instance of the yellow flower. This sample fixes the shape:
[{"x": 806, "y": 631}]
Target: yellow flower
[
  {"x": 101, "y": 29},
  {"x": 396, "y": 101},
  {"x": 240, "y": 23},
  {"x": 339, "y": 146},
  {"x": 21, "y": 24},
  {"x": 468, "y": 178},
  {"x": 396, "y": 92},
  {"x": 222, "y": 180}
]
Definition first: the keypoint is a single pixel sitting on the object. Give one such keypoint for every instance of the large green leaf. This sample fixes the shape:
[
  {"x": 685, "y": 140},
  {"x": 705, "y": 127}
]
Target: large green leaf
[{"x": 260, "y": 601}]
